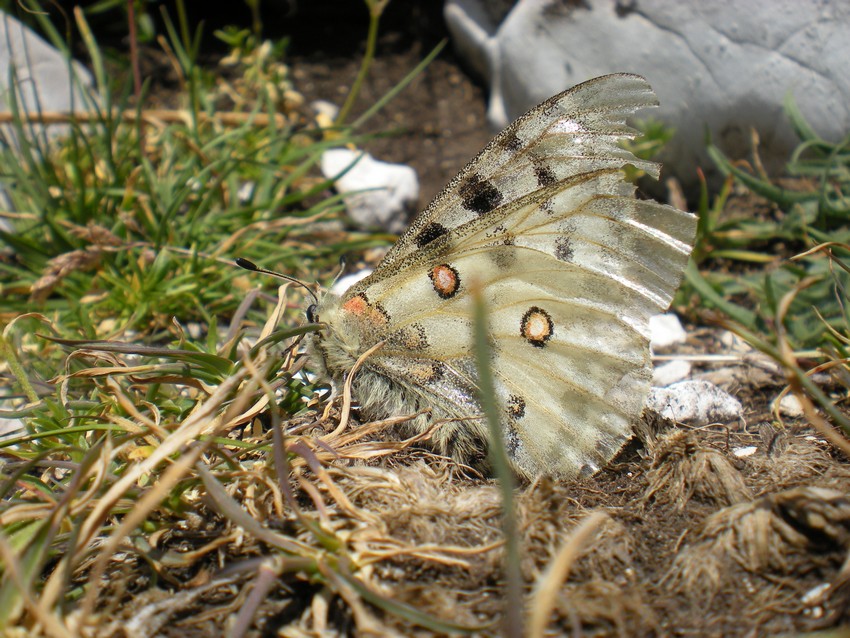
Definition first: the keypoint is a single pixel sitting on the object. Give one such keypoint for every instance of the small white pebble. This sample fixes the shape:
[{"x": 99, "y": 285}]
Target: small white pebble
[
  {"x": 326, "y": 109},
  {"x": 194, "y": 329},
  {"x": 815, "y": 594},
  {"x": 666, "y": 330},
  {"x": 245, "y": 192},
  {"x": 670, "y": 372},
  {"x": 743, "y": 452},
  {"x": 789, "y": 405}
]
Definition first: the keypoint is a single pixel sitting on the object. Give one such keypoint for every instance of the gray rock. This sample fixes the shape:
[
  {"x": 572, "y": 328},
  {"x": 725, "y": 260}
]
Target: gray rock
[
  {"x": 44, "y": 79},
  {"x": 718, "y": 65}
]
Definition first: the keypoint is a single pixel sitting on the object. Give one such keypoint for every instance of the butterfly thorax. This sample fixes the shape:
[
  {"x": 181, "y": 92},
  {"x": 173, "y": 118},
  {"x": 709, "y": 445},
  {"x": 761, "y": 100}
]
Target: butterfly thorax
[{"x": 337, "y": 344}]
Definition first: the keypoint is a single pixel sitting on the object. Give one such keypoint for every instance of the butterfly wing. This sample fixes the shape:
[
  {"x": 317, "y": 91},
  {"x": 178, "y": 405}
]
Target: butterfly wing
[
  {"x": 571, "y": 266},
  {"x": 575, "y": 132}
]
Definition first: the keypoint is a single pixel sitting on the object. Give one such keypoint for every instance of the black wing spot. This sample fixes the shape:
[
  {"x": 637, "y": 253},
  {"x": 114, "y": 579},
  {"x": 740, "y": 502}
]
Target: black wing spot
[
  {"x": 512, "y": 442},
  {"x": 545, "y": 175},
  {"x": 563, "y": 249},
  {"x": 479, "y": 195},
  {"x": 516, "y": 406},
  {"x": 431, "y": 232},
  {"x": 510, "y": 141}
]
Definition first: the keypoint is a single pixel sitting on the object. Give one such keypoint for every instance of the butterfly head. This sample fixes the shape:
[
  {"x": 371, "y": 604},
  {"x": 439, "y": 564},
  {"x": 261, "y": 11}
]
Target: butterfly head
[{"x": 313, "y": 313}]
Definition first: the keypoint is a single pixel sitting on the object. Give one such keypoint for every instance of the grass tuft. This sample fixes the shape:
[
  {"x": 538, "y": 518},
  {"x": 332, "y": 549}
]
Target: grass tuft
[
  {"x": 166, "y": 435},
  {"x": 751, "y": 262}
]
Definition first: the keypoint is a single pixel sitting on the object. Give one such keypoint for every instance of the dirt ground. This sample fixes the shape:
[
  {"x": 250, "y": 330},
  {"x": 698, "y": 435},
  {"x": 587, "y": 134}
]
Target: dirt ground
[
  {"x": 735, "y": 529},
  {"x": 437, "y": 123}
]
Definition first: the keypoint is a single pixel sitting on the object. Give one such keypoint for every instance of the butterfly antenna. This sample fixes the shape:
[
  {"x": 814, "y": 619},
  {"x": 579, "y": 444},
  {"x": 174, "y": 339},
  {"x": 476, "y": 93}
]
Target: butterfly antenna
[
  {"x": 341, "y": 270},
  {"x": 250, "y": 265}
]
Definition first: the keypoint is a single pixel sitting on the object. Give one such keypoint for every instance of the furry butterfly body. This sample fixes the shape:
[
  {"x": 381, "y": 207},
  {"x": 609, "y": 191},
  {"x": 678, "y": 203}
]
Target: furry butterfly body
[{"x": 571, "y": 267}]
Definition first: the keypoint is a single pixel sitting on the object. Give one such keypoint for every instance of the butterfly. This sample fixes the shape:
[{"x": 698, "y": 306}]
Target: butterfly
[{"x": 571, "y": 267}]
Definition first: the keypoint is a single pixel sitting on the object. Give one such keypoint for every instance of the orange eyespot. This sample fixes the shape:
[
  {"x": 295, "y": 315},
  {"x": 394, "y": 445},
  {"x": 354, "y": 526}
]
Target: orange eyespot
[
  {"x": 536, "y": 326},
  {"x": 360, "y": 307},
  {"x": 446, "y": 280}
]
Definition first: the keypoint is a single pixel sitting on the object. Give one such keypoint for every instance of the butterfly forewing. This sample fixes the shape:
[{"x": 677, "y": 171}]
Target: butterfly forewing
[
  {"x": 571, "y": 266},
  {"x": 575, "y": 132}
]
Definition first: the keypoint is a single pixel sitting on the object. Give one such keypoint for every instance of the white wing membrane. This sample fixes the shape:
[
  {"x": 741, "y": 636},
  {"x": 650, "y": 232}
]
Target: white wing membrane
[{"x": 572, "y": 268}]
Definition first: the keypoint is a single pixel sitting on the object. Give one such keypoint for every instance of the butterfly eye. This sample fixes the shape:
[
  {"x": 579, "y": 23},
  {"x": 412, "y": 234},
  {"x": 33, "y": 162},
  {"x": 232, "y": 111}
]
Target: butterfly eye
[{"x": 312, "y": 315}]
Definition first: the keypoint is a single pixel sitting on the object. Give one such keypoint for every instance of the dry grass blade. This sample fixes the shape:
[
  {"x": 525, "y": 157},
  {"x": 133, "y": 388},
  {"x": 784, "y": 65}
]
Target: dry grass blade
[
  {"x": 441, "y": 554},
  {"x": 303, "y": 450},
  {"x": 167, "y": 480},
  {"x": 557, "y": 572},
  {"x": 134, "y": 518},
  {"x": 203, "y": 419},
  {"x": 683, "y": 467},
  {"x": 346, "y": 391}
]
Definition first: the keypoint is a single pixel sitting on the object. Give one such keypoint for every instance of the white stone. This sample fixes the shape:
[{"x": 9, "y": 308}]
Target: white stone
[
  {"x": 743, "y": 452},
  {"x": 665, "y": 330},
  {"x": 44, "y": 79},
  {"x": 378, "y": 193},
  {"x": 347, "y": 281},
  {"x": 245, "y": 192},
  {"x": 724, "y": 65},
  {"x": 670, "y": 372},
  {"x": 325, "y": 110},
  {"x": 695, "y": 403},
  {"x": 790, "y": 406}
]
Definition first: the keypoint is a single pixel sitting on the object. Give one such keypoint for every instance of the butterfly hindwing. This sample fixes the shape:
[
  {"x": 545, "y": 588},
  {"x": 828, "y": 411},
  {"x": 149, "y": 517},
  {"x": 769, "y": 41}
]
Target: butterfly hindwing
[{"x": 571, "y": 267}]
